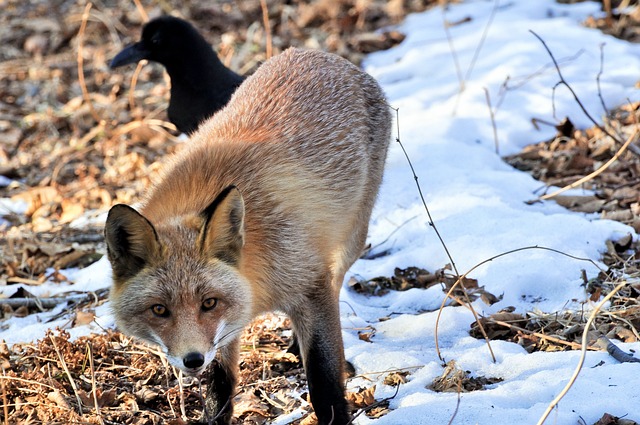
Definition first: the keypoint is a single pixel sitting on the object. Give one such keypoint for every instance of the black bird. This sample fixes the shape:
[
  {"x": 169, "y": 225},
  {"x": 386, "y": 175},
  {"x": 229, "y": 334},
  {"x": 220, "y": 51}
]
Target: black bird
[{"x": 200, "y": 83}]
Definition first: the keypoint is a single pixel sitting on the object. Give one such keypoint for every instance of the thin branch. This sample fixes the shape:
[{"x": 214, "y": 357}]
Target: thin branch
[
  {"x": 444, "y": 245},
  {"x": 493, "y": 121},
  {"x": 459, "y": 391},
  {"x": 583, "y": 354},
  {"x": 575, "y": 96},
  {"x": 600, "y": 72},
  {"x": 483, "y": 37},
  {"x": 615, "y": 351},
  {"x": 367, "y": 252},
  {"x": 452, "y": 49},
  {"x": 5, "y": 403},
  {"x": 44, "y": 303},
  {"x": 488, "y": 260}
]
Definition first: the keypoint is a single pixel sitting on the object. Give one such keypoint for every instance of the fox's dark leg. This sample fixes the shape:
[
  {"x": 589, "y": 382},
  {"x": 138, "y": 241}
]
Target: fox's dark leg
[
  {"x": 217, "y": 400},
  {"x": 320, "y": 339},
  {"x": 221, "y": 382}
]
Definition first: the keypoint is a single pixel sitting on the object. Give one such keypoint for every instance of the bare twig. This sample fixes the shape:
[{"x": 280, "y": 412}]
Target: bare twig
[
  {"x": 27, "y": 381},
  {"x": 483, "y": 37},
  {"x": 367, "y": 252},
  {"x": 455, "y": 412},
  {"x": 615, "y": 351},
  {"x": 453, "y": 287},
  {"x": 575, "y": 96},
  {"x": 463, "y": 79},
  {"x": 444, "y": 245},
  {"x": 454, "y": 54},
  {"x": 604, "y": 106},
  {"x": 493, "y": 121},
  {"x": 183, "y": 410},
  {"x": 583, "y": 354},
  {"x": 44, "y": 303}
]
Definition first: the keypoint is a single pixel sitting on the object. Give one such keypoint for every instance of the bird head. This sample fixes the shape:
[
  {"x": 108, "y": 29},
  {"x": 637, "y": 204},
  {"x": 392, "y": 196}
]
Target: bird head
[{"x": 164, "y": 40}]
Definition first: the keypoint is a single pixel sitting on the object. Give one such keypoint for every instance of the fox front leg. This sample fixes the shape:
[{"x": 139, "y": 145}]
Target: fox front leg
[
  {"x": 320, "y": 339},
  {"x": 217, "y": 401}
]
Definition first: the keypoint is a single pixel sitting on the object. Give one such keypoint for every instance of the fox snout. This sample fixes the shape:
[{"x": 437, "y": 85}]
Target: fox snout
[{"x": 193, "y": 360}]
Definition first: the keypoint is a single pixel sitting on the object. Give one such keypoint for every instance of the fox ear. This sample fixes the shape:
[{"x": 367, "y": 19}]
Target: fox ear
[
  {"x": 222, "y": 233},
  {"x": 131, "y": 239}
]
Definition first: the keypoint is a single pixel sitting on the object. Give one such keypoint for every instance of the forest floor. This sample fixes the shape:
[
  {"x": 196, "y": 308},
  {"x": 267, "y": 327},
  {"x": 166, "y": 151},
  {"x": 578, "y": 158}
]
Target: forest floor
[{"x": 77, "y": 137}]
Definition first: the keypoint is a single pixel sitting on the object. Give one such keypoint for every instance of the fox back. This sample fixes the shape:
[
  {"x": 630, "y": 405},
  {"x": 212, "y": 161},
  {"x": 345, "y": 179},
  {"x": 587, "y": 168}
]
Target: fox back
[{"x": 266, "y": 209}]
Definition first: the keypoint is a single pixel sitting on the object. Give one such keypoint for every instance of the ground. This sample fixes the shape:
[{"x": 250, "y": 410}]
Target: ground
[{"x": 77, "y": 138}]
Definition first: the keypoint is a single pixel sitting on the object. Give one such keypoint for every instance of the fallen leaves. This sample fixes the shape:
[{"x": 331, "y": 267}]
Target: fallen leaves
[
  {"x": 574, "y": 153},
  {"x": 608, "y": 419},
  {"x": 454, "y": 379},
  {"x": 365, "y": 400},
  {"x": 415, "y": 277},
  {"x": 124, "y": 382}
]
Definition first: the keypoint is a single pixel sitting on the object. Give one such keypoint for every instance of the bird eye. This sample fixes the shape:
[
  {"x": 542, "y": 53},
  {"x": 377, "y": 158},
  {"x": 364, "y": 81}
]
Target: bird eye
[
  {"x": 160, "y": 310},
  {"x": 155, "y": 41},
  {"x": 209, "y": 304}
]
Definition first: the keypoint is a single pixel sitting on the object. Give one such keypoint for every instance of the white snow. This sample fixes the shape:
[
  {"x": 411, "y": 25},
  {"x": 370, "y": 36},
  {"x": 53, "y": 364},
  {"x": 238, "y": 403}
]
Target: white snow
[{"x": 478, "y": 204}]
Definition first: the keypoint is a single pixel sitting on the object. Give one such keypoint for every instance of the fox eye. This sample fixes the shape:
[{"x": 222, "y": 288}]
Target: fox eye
[
  {"x": 209, "y": 304},
  {"x": 160, "y": 310}
]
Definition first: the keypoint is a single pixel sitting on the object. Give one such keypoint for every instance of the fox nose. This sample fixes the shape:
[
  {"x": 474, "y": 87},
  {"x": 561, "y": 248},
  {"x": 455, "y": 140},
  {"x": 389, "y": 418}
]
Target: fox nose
[{"x": 193, "y": 360}]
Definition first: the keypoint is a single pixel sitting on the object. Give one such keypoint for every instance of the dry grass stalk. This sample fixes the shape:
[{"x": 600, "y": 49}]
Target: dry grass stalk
[
  {"x": 5, "y": 403},
  {"x": 93, "y": 383},
  {"x": 461, "y": 278},
  {"x": 583, "y": 353},
  {"x": 134, "y": 81},
  {"x": 267, "y": 28},
  {"x": 66, "y": 370},
  {"x": 80, "y": 61},
  {"x": 597, "y": 172},
  {"x": 141, "y": 11},
  {"x": 553, "y": 339}
]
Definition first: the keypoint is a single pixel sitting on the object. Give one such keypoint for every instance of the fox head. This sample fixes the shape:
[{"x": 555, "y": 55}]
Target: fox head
[{"x": 177, "y": 284}]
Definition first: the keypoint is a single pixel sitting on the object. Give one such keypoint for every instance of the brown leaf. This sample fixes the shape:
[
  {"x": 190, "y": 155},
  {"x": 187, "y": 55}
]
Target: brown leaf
[
  {"x": 365, "y": 335},
  {"x": 84, "y": 317},
  {"x": 363, "y": 398},
  {"x": 396, "y": 378}
]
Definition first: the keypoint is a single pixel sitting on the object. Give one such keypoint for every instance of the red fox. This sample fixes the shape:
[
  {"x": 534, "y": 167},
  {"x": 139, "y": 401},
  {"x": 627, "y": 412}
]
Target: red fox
[{"x": 266, "y": 209}]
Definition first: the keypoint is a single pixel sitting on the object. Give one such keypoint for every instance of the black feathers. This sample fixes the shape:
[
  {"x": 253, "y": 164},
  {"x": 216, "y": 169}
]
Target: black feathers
[{"x": 200, "y": 83}]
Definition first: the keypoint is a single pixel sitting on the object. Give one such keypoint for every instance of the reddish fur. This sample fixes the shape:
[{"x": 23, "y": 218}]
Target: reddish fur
[{"x": 304, "y": 140}]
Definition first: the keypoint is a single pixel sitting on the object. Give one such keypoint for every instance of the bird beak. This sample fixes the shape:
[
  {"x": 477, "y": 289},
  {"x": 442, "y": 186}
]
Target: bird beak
[{"x": 130, "y": 54}]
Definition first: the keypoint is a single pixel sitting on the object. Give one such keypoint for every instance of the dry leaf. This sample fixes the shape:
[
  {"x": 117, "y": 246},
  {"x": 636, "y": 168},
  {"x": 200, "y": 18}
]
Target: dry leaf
[
  {"x": 84, "y": 318},
  {"x": 363, "y": 398},
  {"x": 396, "y": 378}
]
